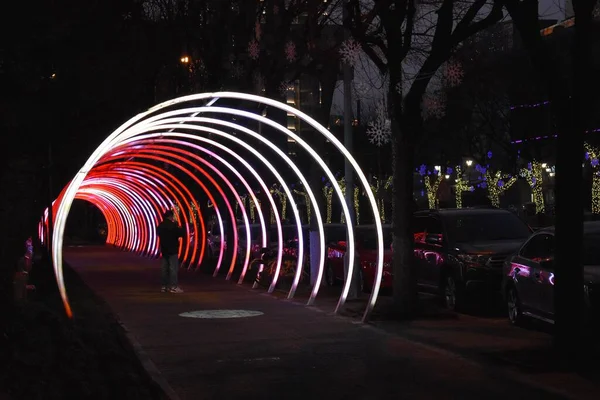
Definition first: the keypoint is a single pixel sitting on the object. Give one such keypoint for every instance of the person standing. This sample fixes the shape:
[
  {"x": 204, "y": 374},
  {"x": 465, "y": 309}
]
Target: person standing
[{"x": 169, "y": 233}]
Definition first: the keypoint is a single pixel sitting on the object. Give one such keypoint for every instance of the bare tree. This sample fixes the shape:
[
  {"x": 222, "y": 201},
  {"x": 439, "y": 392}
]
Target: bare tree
[{"x": 393, "y": 33}]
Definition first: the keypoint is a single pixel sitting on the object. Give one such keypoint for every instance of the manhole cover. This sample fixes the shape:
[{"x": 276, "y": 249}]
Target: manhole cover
[{"x": 221, "y": 314}]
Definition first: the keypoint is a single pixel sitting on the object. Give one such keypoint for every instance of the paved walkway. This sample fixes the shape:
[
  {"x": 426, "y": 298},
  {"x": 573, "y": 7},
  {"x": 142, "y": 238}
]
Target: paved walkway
[{"x": 289, "y": 352}]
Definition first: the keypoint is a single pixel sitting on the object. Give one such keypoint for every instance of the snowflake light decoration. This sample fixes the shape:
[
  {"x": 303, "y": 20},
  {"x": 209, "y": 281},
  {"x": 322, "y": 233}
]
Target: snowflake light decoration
[
  {"x": 380, "y": 129},
  {"x": 253, "y": 49},
  {"x": 454, "y": 73},
  {"x": 350, "y": 51},
  {"x": 284, "y": 87},
  {"x": 433, "y": 106},
  {"x": 361, "y": 89},
  {"x": 237, "y": 71},
  {"x": 290, "y": 52}
]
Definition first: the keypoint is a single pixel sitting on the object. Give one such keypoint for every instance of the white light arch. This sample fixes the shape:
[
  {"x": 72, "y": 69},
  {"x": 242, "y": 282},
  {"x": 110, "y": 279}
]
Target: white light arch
[{"x": 114, "y": 139}]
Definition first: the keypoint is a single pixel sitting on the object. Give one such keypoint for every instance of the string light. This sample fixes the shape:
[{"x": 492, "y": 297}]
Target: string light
[
  {"x": 461, "y": 186},
  {"x": 376, "y": 189},
  {"x": 533, "y": 175},
  {"x": 497, "y": 184},
  {"x": 328, "y": 192},
  {"x": 342, "y": 183},
  {"x": 252, "y": 210},
  {"x": 282, "y": 199},
  {"x": 431, "y": 188},
  {"x": 554, "y": 136},
  {"x": 591, "y": 155},
  {"x": 357, "y": 204}
]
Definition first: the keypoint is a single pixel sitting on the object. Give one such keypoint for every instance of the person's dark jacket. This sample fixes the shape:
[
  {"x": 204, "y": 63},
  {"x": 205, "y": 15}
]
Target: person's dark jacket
[{"x": 168, "y": 234}]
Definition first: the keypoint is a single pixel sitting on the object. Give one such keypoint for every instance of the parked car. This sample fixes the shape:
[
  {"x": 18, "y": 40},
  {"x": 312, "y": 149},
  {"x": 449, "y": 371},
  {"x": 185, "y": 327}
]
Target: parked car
[
  {"x": 460, "y": 252},
  {"x": 457, "y": 252},
  {"x": 528, "y": 283},
  {"x": 366, "y": 257}
]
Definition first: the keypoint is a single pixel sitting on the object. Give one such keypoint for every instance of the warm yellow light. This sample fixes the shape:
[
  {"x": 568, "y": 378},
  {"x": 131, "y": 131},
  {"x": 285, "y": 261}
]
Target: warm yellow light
[
  {"x": 53, "y": 76},
  {"x": 328, "y": 192},
  {"x": 535, "y": 178},
  {"x": 461, "y": 186},
  {"x": 469, "y": 163},
  {"x": 185, "y": 59},
  {"x": 446, "y": 176},
  {"x": 432, "y": 188},
  {"x": 544, "y": 165},
  {"x": 592, "y": 154},
  {"x": 494, "y": 190}
]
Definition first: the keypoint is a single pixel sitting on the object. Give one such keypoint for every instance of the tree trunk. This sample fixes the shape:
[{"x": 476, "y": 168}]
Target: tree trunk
[
  {"x": 404, "y": 278},
  {"x": 569, "y": 295}
]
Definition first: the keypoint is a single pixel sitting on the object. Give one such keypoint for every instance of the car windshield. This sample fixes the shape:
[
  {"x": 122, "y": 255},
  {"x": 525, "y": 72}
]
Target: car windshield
[
  {"x": 591, "y": 243},
  {"x": 485, "y": 227}
]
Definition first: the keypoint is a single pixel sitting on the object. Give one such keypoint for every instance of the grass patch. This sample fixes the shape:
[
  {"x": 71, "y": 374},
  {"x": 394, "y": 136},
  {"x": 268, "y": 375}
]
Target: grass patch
[{"x": 47, "y": 356}]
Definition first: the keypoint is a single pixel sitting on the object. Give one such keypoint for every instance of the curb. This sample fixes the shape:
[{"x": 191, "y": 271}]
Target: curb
[{"x": 148, "y": 364}]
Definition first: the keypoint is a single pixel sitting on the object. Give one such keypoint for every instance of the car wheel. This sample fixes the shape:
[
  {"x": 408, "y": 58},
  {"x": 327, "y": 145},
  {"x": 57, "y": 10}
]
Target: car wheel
[
  {"x": 451, "y": 294},
  {"x": 515, "y": 313},
  {"x": 330, "y": 276}
]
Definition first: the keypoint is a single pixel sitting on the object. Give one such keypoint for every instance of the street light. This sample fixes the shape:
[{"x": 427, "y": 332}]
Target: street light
[
  {"x": 544, "y": 165},
  {"x": 437, "y": 168},
  {"x": 185, "y": 60},
  {"x": 447, "y": 176},
  {"x": 469, "y": 163}
]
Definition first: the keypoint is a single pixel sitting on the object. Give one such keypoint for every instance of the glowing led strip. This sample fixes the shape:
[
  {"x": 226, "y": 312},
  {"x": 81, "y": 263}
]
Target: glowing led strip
[
  {"x": 184, "y": 195},
  {"x": 142, "y": 213},
  {"x": 149, "y": 153},
  {"x": 71, "y": 190},
  {"x": 241, "y": 160},
  {"x": 139, "y": 172},
  {"x": 261, "y": 182},
  {"x": 224, "y": 178},
  {"x": 291, "y": 164},
  {"x": 148, "y": 187},
  {"x": 144, "y": 197}
]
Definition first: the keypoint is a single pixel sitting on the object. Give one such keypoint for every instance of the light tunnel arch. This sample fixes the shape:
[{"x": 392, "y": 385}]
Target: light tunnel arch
[
  {"x": 183, "y": 197},
  {"x": 154, "y": 144},
  {"x": 158, "y": 155},
  {"x": 144, "y": 194},
  {"x": 115, "y": 137}
]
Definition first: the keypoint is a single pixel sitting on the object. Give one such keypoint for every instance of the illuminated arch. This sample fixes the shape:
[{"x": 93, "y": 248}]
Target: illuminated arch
[{"x": 140, "y": 124}]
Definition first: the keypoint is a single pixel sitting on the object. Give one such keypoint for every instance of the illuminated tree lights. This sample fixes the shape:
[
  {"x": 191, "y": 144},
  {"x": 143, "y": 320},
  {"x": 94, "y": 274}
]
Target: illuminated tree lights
[
  {"x": 591, "y": 155},
  {"x": 496, "y": 184},
  {"x": 328, "y": 193},
  {"x": 534, "y": 176},
  {"x": 431, "y": 185},
  {"x": 282, "y": 201},
  {"x": 461, "y": 186}
]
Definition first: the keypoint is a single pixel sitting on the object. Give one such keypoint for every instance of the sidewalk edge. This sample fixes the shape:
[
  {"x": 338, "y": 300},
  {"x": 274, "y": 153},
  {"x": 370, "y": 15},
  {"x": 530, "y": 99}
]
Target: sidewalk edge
[{"x": 148, "y": 364}]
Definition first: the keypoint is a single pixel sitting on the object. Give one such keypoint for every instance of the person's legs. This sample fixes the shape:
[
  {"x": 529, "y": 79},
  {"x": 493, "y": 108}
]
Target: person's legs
[
  {"x": 173, "y": 271},
  {"x": 164, "y": 272}
]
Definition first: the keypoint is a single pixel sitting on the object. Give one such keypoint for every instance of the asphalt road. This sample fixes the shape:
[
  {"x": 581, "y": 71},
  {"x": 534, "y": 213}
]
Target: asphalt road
[{"x": 289, "y": 351}]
